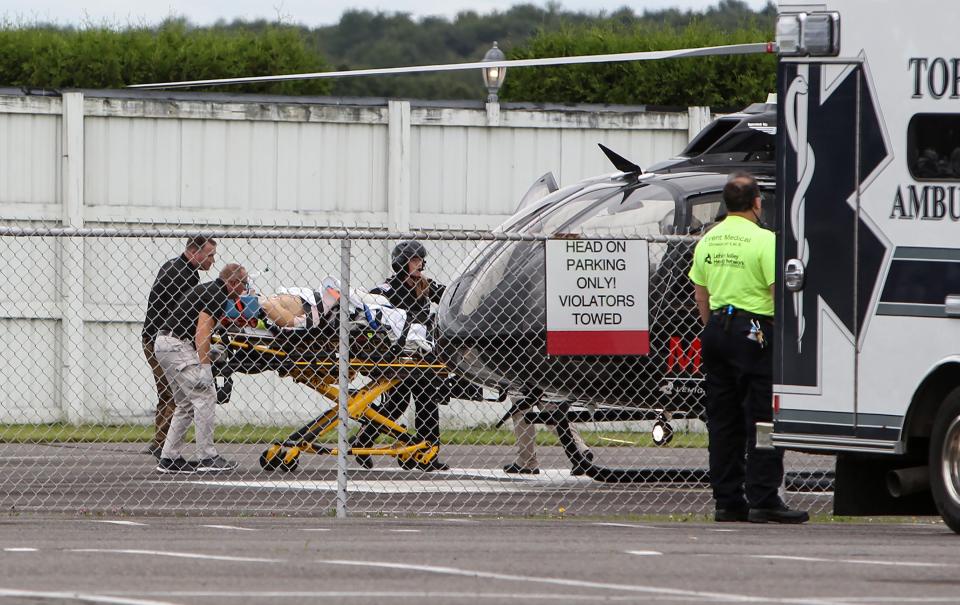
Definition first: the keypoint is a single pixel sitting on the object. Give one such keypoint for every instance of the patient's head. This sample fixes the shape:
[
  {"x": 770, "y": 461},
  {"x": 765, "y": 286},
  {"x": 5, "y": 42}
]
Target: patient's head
[{"x": 234, "y": 277}]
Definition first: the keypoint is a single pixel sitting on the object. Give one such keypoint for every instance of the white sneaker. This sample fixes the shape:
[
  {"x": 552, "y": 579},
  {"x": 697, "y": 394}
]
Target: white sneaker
[{"x": 216, "y": 464}]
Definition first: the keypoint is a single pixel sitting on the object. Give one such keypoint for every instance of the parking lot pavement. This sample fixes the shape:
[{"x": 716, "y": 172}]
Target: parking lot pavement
[
  {"x": 151, "y": 561},
  {"x": 119, "y": 477}
]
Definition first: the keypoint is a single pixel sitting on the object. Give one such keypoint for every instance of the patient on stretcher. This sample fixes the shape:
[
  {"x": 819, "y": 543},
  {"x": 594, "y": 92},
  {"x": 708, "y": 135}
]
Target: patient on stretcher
[{"x": 291, "y": 309}]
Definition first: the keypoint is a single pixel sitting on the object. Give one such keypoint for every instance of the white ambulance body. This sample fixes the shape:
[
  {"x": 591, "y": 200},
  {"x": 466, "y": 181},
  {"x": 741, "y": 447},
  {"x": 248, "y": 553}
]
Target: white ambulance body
[{"x": 867, "y": 359}]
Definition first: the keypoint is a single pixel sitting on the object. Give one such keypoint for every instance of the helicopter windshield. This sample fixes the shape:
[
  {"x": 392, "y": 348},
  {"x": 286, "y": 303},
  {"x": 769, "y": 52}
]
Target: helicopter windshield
[
  {"x": 571, "y": 211},
  {"x": 647, "y": 210},
  {"x": 523, "y": 214}
]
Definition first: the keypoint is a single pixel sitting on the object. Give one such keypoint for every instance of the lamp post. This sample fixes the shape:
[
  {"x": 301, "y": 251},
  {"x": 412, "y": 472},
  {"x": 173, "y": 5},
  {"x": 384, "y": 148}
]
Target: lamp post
[{"x": 493, "y": 76}]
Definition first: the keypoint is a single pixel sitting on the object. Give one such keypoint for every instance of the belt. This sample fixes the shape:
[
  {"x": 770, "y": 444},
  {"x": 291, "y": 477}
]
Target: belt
[{"x": 731, "y": 311}]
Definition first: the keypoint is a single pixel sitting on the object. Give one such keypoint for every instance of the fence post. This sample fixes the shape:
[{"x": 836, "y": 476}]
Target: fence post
[
  {"x": 698, "y": 118},
  {"x": 398, "y": 166},
  {"x": 493, "y": 114},
  {"x": 71, "y": 344},
  {"x": 344, "y": 379}
]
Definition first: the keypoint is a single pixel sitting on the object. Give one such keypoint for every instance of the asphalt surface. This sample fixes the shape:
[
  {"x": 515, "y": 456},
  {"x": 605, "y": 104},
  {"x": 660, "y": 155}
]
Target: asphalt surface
[
  {"x": 240, "y": 561},
  {"x": 120, "y": 478}
]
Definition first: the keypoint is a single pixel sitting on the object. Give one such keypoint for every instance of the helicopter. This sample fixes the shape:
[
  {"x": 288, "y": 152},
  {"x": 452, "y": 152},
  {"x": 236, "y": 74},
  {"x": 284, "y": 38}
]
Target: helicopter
[{"x": 492, "y": 320}]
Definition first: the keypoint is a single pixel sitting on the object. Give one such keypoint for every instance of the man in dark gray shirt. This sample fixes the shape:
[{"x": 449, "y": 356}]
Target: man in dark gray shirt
[
  {"x": 183, "y": 351},
  {"x": 175, "y": 278}
]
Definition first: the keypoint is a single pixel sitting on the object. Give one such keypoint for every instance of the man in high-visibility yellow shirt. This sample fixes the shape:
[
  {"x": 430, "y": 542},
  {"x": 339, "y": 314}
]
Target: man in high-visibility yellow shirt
[{"x": 733, "y": 277}]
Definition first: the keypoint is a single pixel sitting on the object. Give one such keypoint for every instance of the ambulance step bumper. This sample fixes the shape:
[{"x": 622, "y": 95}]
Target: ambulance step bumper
[{"x": 833, "y": 443}]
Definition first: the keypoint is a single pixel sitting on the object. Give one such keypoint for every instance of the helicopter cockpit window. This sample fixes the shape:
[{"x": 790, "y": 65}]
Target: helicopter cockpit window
[
  {"x": 553, "y": 211},
  {"x": 563, "y": 215},
  {"x": 647, "y": 210},
  {"x": 704, "y": 211},
  {"x": 524, "y": 213}
]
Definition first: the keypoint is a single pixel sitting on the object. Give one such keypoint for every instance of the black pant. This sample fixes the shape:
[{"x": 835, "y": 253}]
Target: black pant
[
  {"x": 739, "y": 394},
  {"x": 424, "y": 388}
]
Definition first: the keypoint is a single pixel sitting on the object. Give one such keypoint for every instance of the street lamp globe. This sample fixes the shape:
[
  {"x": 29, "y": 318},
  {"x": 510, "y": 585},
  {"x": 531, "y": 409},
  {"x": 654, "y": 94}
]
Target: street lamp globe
[{"x": 493, "y": 76}]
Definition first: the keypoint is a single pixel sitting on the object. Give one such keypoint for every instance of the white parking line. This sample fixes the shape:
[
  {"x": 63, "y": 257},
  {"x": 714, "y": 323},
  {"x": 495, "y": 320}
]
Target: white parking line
[
  {"x": 650, "y": 590},
  {"x": 644, "y": 553},
  {"x": 19, "y": 549},
  {"x": 341, "y": 595},
  {"x": 86, "y": 457},
  {"x": 853, "y": 561},
  {"x": 78, "y": 596},
  {"x": 117, "y": 522},
  {"x": 406, "y": 531},
  {"x": 898, "y": 600},
  {"x": 834, "y": 561},
  {"x": 455, "y": 485},
  {"x": 229, "y": 527},
  {"x": 314, "y": 529},
  {"x": 179, "y": 555},
  {"x": 630, "y": 525}
]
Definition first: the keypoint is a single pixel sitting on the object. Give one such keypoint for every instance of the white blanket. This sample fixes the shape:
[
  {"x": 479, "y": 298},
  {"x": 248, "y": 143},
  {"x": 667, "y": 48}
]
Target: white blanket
[{"x": 377, "y": 312}]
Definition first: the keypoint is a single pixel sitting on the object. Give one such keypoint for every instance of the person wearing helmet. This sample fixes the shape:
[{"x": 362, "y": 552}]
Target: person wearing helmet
[{"x": 408, "y": 289}]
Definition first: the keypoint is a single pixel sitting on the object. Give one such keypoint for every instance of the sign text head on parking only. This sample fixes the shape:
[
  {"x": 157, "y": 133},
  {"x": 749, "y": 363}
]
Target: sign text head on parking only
[{"x": 597, "y": 297}]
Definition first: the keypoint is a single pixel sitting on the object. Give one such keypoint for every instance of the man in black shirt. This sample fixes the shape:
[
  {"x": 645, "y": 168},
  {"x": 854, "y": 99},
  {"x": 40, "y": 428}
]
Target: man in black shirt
[
  {"x": 183, "y": 350},
  {"x": 408, "y": 289},
  {"x": 176, "y": 277}
]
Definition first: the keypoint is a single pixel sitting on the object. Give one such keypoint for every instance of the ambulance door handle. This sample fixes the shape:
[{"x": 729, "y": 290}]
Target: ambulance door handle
[
  {"x": 952, "y": 305},
  {"x": 794, "y": 274}
]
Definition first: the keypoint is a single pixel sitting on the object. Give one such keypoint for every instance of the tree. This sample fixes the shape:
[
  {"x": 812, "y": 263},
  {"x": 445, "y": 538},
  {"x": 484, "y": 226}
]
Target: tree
[
  {"x": 721, "y": 82},
  {"x": 100, "y": 57},
  {"x": 108, "y": 56}
]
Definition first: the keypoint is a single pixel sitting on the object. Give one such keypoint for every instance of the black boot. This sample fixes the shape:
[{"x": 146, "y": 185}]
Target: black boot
[{"x": 364, "y": 439}]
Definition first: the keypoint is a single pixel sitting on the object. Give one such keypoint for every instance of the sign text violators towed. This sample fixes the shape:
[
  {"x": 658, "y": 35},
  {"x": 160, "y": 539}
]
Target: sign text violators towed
[{"x": 597, "y": 297}]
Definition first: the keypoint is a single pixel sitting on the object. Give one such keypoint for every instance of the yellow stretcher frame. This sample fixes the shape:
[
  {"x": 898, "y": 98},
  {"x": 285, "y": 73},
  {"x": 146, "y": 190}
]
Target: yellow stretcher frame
[{"x": 320, "y": 375}]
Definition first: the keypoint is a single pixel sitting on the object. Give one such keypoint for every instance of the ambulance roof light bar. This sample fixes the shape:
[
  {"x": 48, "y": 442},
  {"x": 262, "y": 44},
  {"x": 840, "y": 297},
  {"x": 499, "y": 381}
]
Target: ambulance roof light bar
[{"x": 812, "y": 34}]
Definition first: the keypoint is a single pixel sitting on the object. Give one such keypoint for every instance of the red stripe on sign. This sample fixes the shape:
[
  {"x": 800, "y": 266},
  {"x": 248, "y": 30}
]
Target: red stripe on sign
[{"x": 617, "y": 342}]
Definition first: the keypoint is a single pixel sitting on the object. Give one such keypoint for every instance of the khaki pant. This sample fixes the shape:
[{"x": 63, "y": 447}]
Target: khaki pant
[
  {"x": 526, "y": 435},
  {"x": 194, "y": 394},
  {"x": 165, "y": 403}
]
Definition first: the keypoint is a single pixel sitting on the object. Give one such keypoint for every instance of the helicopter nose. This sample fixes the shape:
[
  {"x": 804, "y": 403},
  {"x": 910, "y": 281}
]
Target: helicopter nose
[{"x": 491, "y": 321}]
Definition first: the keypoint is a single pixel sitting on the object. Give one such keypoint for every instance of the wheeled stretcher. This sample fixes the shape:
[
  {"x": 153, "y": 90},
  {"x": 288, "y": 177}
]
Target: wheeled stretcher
[{"x": 310, "y": 357}]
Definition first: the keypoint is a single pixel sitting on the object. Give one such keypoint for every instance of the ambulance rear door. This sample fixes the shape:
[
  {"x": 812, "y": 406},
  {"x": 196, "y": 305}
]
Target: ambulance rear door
[{"x": 830, "y": 141}]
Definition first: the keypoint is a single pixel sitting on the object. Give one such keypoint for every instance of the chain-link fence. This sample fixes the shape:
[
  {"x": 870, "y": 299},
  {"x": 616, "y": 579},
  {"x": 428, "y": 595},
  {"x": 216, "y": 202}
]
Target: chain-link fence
[{"x": 459, "y": 400}]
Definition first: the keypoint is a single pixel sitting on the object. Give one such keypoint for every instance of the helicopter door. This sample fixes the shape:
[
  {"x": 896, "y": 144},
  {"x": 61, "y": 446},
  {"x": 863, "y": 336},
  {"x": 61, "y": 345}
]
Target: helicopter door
[{"x": 540, "y": 189}]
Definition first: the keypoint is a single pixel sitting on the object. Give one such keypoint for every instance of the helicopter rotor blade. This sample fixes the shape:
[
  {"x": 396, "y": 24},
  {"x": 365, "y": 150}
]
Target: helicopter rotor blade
[{"x": 708, "y": 51}]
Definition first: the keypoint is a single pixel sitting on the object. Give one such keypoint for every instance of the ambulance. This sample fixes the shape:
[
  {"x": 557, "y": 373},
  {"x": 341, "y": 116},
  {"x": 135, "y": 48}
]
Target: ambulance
[{"x": 867, "y": 348}]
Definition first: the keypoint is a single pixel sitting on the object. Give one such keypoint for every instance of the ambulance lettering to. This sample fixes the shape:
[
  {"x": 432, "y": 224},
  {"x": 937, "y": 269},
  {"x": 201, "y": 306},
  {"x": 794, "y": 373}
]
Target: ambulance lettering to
[{"x": 936, "y": 77}]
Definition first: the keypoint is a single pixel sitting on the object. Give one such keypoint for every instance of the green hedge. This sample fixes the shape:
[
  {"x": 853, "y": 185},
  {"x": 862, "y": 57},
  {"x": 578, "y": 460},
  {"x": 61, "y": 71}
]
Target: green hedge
[
  {"x": 721, "y": 82},
  {"x": 102, "y": 57},
  {"x": 105, "y": 57}
]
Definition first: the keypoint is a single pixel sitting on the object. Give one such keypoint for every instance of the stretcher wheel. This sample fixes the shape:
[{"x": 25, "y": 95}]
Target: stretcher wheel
[
  {"x": 290, "y": 460},
  {"x": 272, "y": 457},
  {"x": 662, "y": 432}
]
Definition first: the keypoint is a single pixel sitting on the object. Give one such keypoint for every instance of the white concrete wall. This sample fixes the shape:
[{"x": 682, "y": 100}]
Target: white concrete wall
[{"x": 70, "y": 310}]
